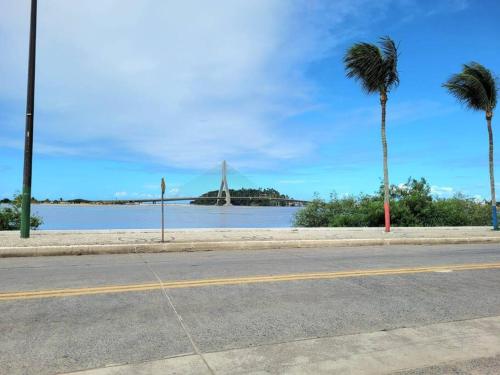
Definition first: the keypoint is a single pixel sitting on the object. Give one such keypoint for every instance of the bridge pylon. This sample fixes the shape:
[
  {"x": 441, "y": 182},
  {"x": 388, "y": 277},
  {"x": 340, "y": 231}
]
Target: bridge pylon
[{"x": 224, "y": 187}]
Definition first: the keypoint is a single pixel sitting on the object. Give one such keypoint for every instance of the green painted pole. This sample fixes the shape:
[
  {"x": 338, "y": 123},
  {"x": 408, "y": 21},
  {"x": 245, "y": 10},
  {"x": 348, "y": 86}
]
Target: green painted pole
[{"x": 28, "y": 140}]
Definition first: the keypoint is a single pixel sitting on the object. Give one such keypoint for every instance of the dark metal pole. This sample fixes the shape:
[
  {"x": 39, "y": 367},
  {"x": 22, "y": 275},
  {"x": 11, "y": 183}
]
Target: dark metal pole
[{"x": 28, "y": 140}]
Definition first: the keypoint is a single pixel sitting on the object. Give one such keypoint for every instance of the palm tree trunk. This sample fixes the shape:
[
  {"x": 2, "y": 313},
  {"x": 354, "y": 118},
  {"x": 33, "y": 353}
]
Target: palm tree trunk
[
  {"x": 387, "y": 214},
  {"x": 494, "y": 220}
]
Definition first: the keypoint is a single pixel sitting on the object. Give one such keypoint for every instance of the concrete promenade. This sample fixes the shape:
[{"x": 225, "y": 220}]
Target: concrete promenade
[{"x": 144, "y": 241}]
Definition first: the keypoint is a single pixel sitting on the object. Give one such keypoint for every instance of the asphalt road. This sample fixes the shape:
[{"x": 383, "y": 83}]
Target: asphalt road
[{"x": 63, "y": 314}]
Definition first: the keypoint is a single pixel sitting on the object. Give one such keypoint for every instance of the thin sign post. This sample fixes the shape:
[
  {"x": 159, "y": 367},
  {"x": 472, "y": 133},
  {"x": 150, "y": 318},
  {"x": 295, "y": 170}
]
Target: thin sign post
[{"x": 162, "y": 210}]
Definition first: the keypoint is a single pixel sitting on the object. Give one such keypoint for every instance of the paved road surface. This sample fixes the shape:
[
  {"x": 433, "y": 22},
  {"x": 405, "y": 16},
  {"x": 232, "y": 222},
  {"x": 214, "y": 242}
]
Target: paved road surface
[{"x": 268, "y": 311}]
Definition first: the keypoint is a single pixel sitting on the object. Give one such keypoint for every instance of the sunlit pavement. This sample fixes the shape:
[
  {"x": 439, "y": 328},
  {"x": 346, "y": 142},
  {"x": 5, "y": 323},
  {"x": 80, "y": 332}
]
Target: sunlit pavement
[
  {"x": 135, "y": 240},
  {"x": 420, "y": 309}
]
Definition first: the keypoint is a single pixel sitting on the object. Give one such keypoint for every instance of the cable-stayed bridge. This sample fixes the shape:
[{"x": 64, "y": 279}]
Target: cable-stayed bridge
[
  {"x": 223, "y": 196},
  {"x": 173, "y": 199}
]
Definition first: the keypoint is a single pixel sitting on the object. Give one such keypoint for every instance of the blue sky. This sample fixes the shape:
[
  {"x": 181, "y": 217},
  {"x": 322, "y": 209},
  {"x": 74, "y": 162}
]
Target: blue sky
[{"x": 130, "y": 91}]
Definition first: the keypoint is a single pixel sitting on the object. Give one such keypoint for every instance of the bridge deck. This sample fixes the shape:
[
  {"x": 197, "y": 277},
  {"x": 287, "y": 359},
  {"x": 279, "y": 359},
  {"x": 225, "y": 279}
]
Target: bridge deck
[{"x": 171, "y": 199}]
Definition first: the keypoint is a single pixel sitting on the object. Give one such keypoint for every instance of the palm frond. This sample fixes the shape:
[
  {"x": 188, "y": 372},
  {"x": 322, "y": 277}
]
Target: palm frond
[
  {"x": 364, "y": 62},
  {"x": 464, "y": 89},
  {"x": 390, "y": 57},
  {"x": 487, "y": 79},
  {"x": 374, "y": 67},
  {"x": 474, "y": 86}
]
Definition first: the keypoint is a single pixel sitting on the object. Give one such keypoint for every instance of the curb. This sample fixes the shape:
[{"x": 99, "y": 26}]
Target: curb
[{"x": 32, "y": 251}]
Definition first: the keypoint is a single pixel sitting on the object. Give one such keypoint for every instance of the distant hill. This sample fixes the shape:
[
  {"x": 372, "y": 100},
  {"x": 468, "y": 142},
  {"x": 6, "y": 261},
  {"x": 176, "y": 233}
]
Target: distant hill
[{"x": 257, "y": 193}]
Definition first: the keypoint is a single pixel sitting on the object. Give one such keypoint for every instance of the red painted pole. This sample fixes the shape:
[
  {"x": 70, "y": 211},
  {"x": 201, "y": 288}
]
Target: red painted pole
[{"x": 387, "y": 213}]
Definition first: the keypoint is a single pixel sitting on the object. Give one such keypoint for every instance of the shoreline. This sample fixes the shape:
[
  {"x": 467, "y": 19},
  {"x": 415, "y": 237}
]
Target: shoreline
[
  {"x": 152, "y": 204},
  {"x": 109, "y": 204}
]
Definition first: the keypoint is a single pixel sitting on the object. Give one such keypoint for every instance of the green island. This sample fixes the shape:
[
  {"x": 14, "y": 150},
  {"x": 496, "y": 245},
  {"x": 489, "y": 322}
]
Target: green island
[{"x": 260, "y": 197}]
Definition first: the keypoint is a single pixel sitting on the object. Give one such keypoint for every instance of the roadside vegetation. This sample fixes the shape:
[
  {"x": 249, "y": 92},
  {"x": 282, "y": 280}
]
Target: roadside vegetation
[
  {"x": 10, "y": 215},
  {"x": 411, "y": 204}
]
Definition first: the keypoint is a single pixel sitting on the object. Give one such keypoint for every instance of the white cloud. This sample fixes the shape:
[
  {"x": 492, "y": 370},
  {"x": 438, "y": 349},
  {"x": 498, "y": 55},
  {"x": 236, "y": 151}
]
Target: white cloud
[
  {"x": 156, "y": 186},
  {"x": 182, "y": 83},
  {"x": 442, "y": 191},
  {"x": 479, "y": 198},
  {"x": 174, "y": 191},
  {"x": 135, "y": 195}
]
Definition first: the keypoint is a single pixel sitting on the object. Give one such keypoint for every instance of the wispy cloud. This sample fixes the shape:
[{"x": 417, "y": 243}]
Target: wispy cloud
[
  {"x": 292, "y": 182},
  {"x": 169, "y": 82},
  {"x": 442, "y": 191},
  {"x": 174, "y": 192},
  {"x": 133, "y": 195}
]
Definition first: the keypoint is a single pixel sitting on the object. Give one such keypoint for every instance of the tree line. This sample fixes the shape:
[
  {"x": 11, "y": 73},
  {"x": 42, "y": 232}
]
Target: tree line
[{"x": 411, "y": 205}]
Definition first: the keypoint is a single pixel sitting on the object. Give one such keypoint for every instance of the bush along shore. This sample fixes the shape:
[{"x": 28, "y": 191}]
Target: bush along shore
[
  {"x": 10, "y": 215},
  {"x": 411, "y": 204}
]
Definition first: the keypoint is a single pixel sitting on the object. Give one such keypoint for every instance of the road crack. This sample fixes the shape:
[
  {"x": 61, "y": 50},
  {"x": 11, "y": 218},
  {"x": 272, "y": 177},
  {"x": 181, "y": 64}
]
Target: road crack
[{"x": 169, "y": 299}]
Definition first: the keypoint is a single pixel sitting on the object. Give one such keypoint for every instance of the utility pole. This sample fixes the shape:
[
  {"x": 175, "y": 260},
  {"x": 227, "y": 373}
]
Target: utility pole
[{"x": 28, "y": 140}]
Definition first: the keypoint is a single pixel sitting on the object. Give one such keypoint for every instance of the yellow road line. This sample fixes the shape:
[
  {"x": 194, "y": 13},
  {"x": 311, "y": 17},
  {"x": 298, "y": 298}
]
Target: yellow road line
[{"x": 239, "y": 280}]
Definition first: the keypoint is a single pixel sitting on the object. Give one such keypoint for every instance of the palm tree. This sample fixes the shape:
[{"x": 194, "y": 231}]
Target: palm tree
[
  {"x": 376, "y": 69},
  {"x": 475, "y": 87}
]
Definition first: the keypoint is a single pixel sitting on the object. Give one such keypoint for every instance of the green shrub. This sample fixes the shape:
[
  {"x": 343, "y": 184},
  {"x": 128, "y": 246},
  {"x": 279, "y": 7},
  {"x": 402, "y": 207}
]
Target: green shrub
[
  {"x": 460, "y": 210},
  {"x": 411, "y": 205},
  {"x": 10, "y": 216}
]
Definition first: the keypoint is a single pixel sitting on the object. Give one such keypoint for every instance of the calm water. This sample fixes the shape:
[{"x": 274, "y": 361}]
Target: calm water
[{"x": 148, "y": 216}]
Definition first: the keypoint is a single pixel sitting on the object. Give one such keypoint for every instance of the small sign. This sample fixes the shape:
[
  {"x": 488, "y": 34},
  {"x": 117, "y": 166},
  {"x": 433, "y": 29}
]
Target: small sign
[{"x": 162, "y": 185}]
